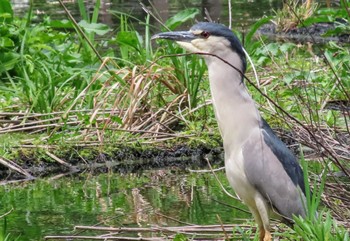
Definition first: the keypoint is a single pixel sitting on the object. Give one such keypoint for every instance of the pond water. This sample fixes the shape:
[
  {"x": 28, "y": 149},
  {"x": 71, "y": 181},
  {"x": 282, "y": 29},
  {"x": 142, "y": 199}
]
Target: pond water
[
  {"x": 244, "y": 12},
  {"x": 52, "y": 207}
]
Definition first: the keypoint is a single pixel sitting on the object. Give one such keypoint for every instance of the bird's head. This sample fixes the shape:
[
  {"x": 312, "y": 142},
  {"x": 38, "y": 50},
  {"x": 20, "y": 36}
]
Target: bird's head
[{"x": 205, "y": 37}]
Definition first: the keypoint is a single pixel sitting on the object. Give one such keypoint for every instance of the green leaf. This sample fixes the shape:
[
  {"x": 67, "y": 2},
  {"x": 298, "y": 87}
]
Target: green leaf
[
  {"x": 116, "y": 119},
  {"x": 6, "y": 12},
  {"x": 286, "y": 47},
  {"x": 6, "y": 42},
  {"x": 254, "y": 28},
  {"x": 60, "y": 24},
  {"x": 317, "y": 19},
  {"x": 180, "y": 237},
  {"x": 129, "y": 38},
  {"x": 181, "y": 17},
  {"x": 8, "y": 61},
  {"x": 97, "y": 28}
]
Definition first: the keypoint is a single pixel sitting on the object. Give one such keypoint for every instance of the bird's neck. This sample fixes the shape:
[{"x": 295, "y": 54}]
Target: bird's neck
[{"x": 235, "y": 110}]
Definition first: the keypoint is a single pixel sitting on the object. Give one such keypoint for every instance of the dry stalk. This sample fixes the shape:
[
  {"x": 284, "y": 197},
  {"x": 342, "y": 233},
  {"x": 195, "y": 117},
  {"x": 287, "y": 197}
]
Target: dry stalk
[{"x": 13, "y": 166}]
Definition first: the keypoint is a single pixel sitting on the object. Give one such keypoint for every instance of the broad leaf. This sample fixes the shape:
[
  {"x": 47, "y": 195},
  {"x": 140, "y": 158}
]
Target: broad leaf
[
  {"x": 6, "y": 12},
  {"x": 181, "y": 17},
  {"x": 97, "y": 28},
  {"x": 129, "y": 38},
  {"x": 8, "y": 61}
]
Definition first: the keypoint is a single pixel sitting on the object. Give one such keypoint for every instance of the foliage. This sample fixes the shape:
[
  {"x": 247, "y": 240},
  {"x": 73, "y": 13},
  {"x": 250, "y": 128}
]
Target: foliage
[
  {"x": 189, "y": 70},
  {"x": 136, "y": 89},
  {"x": 317, "y": 225},
  {"x": 5, "y": 235},
  {"x": 313, "y": 198},
  {"x": 293, "y": 13},
  {"x": 181, "y": 17},
  {"x": 42, "y": 67},
  {"x": 54, "y": 72},
  {"x": 321, "y": 229},
  {"x": 339, "y": 16}
]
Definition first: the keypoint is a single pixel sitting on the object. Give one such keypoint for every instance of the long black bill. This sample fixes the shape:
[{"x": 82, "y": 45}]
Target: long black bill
[{"x": 183, "y": 36}]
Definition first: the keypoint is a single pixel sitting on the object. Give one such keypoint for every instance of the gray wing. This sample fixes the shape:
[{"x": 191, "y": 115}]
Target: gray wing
[{"x": 274, "y": 171}]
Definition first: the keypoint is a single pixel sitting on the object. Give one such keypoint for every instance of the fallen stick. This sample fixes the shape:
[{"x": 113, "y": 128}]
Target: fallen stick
[
  {"x": 102, "y": 238},
  {"x": 13, "y": 166}
]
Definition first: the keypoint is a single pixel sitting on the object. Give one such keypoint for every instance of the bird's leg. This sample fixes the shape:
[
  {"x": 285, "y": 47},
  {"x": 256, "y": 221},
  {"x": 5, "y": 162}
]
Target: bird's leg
[
  {"x": 267, "y": 236},
  {"x": 263, "y": 213},
  {"x": 264, "y": 235},
  {"x": 261, "y": 233}
]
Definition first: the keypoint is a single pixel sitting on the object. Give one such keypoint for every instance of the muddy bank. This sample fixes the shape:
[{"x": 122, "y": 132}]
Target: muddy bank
[
  {"x": 122, "y": 160},
  {"x": 313, "y": 33},
  {"x": 39, "y": 163}
]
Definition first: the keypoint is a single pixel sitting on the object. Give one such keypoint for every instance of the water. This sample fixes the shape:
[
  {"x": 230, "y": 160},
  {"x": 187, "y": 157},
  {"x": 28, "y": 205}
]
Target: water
[
  {"x": 52, "y": 207},
  {"x": 244, "y": 13}
]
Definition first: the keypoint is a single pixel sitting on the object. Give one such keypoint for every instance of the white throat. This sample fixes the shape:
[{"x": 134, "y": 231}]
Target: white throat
[{"x": 235, "y": 110}]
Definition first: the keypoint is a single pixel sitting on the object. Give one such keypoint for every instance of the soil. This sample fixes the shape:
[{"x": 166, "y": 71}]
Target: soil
[
  {"x": 123, "y": 160},
  {"x": 313, "y": 33}
]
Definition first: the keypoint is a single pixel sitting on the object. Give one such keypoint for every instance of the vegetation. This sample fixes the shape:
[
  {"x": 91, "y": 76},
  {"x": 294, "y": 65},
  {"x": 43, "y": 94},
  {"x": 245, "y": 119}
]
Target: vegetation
[
  {"x": 294, "y": 13},
  {"x": 66, "y": 90}
]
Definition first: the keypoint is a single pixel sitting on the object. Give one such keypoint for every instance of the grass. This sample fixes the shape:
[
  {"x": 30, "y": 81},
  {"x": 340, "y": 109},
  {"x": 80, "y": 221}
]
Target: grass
[
  {"x": 293, "y": 13},
  {"x": 4, "y": 234},
  {"x": 67, "y": 90}
]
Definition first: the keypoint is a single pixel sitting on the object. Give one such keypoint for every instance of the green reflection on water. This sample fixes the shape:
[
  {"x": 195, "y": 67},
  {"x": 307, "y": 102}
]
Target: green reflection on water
[{"x": 52, "y": 207}]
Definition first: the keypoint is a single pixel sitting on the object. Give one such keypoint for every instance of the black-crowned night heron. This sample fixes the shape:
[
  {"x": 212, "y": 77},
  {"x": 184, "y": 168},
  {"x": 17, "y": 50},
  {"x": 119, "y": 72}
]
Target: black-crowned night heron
[{"x": 261, "y": 169}]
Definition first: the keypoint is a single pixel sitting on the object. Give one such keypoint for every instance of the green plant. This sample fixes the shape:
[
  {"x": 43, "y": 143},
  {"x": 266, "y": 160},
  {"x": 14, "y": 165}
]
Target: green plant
[
  {"x": 190, "y": 69},
  {"x": 43, "y": 67},
  {"x": 317, "y": 225},
  {"x": 9, "y": 40},
  {"x": 322, "y": 228},
  {"x": 244, "y": 235},
  {"x": 5, "y": 235},
  {"x": 293, "y": 13},
  {"x": 313, "y": 198},
  {"x": 339, "y": 16},
  {"x": 90, "y": 26},
  {"x": 134, "y": 49}
]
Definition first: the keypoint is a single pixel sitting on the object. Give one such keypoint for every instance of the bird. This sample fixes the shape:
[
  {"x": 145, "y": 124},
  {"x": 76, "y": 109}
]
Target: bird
[{"x": 260, "y": 168}]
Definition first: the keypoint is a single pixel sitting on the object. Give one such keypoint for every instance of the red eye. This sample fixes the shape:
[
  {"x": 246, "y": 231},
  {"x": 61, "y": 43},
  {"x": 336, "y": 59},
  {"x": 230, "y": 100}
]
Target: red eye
[{"x": 205, "y": 34}]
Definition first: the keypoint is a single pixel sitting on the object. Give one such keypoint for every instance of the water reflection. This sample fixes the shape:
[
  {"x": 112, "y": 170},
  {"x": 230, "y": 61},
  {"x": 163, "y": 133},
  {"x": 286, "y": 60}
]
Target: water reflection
[
  {"x": 48, "y": 207},
  {"x": 244, "y": 12}
]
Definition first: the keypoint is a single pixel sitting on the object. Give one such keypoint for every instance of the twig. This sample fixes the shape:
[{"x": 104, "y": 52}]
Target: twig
[
  {"x": 218, "y": 180},
  {"x": 222, "y": 226},
  {"x": 103, "y": 238},
  {"x": 173, "y": 219},
  {"x": 206, "y": 171},
  {"x": 229, "y": 14},
  {"x": 81, "y": 32},
  {"x": 15, "y": 167},
  {"x": 7, "y": 213},
  {"x": 59, "y": 160}
]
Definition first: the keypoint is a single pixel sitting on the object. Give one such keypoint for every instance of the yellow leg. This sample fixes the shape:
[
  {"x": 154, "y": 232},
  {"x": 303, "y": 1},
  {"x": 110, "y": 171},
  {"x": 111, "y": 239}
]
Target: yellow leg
[
  {"x": 264, "y": 224},
  {"x": 267, "y": 236},
  {"x": 261, "y": 234}
]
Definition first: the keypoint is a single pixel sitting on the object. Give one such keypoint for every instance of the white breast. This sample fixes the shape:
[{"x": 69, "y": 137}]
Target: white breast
[{"x": 236, "y": 176}]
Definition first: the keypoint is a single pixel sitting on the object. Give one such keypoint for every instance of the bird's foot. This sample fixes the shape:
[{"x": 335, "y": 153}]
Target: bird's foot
[
  {"x": 261, "y": 234},
  {"x": 267, "y": 236},
  {"x": 264, "y": 235}
]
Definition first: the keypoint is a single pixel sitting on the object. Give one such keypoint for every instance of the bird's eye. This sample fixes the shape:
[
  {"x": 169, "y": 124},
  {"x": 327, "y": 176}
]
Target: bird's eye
[{"x": 205, "y": 34}]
